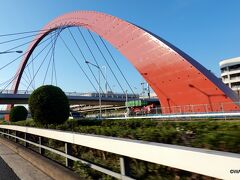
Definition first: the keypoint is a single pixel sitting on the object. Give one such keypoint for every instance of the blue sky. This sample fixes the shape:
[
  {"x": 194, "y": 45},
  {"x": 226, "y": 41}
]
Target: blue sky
[{"x": 207, "y": 30}]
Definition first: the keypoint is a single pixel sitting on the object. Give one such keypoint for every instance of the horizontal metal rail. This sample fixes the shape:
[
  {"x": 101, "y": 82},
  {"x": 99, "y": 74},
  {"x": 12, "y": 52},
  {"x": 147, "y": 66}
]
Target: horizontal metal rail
[
  {"x": 93, "y": 166},
  {"x": 207, "y": 162},
  {"x": 171, "y": 116}
]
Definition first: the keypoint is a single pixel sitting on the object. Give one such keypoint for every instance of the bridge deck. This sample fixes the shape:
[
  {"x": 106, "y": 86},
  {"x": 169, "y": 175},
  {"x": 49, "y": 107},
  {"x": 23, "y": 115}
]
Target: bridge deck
[{"x": 73, "y": 99}]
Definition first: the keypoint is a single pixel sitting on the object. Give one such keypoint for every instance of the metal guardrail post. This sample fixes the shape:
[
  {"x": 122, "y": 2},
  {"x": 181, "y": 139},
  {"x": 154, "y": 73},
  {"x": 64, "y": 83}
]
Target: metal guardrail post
[
  {"x": 3, "y": 132},
  {"x": 40, "y": 142},
  {"x": 25, "y": 137},
  {"x": 124, "y": 165},
  {"x": 15, "y": 139},
  {"x": 8, "y": 133},
  {"x": 68, "y": 151}
]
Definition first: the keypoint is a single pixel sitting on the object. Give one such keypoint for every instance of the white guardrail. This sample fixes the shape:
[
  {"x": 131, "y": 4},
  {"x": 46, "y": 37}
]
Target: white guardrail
[
  {"x": 216, "y": 164},
  {"x": 172, "y": 116}
]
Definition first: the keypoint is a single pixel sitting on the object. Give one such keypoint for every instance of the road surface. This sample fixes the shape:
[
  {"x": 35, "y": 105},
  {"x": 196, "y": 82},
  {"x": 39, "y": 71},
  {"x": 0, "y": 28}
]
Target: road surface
[{"x": 6, "y": 173}]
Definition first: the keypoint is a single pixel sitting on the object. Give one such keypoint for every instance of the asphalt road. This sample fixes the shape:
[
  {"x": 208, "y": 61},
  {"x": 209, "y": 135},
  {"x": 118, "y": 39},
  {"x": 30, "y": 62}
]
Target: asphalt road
[{"x": 6, "y": 173}]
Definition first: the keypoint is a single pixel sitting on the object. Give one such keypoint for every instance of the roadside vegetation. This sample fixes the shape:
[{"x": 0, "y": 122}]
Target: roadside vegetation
[
  {"x": 18, "y": 113},
  {"x": 49, "y": 105},
  {"x": 209, "y": 134}
]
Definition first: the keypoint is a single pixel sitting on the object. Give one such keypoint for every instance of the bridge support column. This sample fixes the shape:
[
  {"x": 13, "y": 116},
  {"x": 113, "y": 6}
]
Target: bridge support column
[
  {"x": 68, "y": 151},
  {"x": 124, "y": 165}
]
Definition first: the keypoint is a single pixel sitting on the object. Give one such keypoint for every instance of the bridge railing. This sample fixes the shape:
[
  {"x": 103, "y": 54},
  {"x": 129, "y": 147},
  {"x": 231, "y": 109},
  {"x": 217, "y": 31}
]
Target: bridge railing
[
  {"x": 88, "y": 94},
  {"x": 206, "y": 162},
  {"x": 218, "y": 109}
]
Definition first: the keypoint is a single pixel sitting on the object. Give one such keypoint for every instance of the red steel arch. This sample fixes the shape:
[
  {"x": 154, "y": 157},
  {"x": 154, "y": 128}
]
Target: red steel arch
[{"x": 176, "y": 78}]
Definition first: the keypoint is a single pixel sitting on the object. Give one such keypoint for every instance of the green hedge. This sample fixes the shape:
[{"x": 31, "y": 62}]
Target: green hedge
[
  {"x": 18, "y": 113},
  {"x": 49, "y": 105}
]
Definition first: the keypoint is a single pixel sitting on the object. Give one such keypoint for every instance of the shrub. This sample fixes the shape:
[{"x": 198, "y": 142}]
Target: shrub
[
  {"x": 18, "y": 113},
  {"x": 49, "y": 105}
]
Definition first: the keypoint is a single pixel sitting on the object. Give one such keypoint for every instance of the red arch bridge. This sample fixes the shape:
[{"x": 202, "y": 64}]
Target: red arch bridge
[{"x": 176, "y": 78}]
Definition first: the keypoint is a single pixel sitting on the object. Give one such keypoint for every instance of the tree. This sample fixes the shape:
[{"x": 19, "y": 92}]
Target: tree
[
  {"x": 48, "y": 104},
  {"x": 18, "y": 113}
]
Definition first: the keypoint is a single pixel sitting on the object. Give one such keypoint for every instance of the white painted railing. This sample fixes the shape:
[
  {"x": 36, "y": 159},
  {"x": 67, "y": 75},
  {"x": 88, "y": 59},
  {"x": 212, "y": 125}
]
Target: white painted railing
[
  {"x": 176, "y": 116},
  {"x": 216, "y": 164}
]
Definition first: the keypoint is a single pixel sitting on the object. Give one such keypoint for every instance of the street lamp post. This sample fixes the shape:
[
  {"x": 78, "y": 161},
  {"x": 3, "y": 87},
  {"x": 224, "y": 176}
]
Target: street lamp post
[
  {"x": 106, "y": 92},
  {"x": 105, "y": 70},
  {"x": 143, "y": 90},
  {"x": 99, "y": 87},
  {"x": 6, "y": 52},
  {"x": 148, "y": 89},
  {"x": 126, "y": 103},
  {"x": 126, "y": 99}
]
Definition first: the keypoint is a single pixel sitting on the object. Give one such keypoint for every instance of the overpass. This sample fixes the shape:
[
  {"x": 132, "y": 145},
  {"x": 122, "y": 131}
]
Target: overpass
[{"x": 8, "y": 97}]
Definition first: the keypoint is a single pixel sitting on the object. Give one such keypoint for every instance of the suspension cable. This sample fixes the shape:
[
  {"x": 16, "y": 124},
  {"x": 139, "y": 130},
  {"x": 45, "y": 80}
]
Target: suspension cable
[
  {"x": 40, "y": 66},
  {"x": 45, "y": 76},
  {"x": 26, "y": 32},
  {"x": 33, "y": 70},
  {"x": 85, "y": 59},
  {"x": 5, "y": 82},
  {"x": 21, "y": 55},
  {"x": 51, "y": 59},
  {"x": 29, "y": 79},
  {"x": 16, "y": 39},
  {"x": 24, "y": 83},
  {"x": 78, "y": 63},
  {"x": 17, "y": 74},
  {"x": 94, "y": 58},
  {"x": 30, "y": 76},
  {"x": 53, "y": 45},
  {"x": 116, "y": 64},
  {"x": 106, "y": 61},
  {"x": 53, "y": 51}
]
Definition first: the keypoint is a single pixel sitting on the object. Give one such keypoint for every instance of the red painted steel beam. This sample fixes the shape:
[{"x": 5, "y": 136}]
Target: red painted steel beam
[{"x": 176, "y": 78}]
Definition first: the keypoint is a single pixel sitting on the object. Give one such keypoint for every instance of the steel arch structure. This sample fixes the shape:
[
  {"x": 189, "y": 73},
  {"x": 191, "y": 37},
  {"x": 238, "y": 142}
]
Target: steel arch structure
[{"x": 176, "y": 78}]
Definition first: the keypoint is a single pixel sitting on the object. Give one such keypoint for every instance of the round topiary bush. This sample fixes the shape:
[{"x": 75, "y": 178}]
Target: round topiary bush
[
  {"x": 49, "y": 105},
  {"x": 18, "y": 113}
]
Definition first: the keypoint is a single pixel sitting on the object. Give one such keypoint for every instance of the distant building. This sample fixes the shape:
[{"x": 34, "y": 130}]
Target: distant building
[{"x": 230, "y": 73}]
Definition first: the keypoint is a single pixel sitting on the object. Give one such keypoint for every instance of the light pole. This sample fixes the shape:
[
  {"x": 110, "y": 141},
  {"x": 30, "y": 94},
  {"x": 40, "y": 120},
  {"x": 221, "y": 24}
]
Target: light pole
[
  {"x": 106, "y": 92},
  {"x": 148, "y": 89},
  {"x": 238, "y": 95},
  {"x": 126, "y": 103},
  {"x": 105, "y": 70},
  {"x": 143, "y": 90},
  {"x": 99, "y": 87},
  {"x": 6, "y": 52},
  {"x": 126, "y": 99}
]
